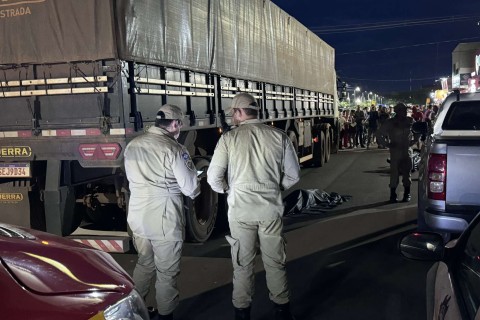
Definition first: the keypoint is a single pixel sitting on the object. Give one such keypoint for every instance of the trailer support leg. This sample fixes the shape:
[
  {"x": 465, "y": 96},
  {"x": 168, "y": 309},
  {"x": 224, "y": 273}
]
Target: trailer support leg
[{"x": 56, "y": 198}]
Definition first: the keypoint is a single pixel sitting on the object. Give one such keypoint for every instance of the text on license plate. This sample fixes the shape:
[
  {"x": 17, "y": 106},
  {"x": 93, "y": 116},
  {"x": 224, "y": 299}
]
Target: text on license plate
[{"x": 19, "y": 170}]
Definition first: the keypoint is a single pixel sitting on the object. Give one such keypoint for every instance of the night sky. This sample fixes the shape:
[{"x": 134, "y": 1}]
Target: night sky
[{"x": 390, "y": 59}]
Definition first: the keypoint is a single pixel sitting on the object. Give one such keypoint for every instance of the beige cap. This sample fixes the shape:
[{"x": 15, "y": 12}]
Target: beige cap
[
  {"x": 243, "y": 101},
  {"x": 170, "y": 112}
]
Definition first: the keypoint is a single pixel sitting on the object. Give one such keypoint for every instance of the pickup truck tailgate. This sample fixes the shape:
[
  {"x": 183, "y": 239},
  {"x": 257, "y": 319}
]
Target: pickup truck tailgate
[{"x": 463, "y": 175}]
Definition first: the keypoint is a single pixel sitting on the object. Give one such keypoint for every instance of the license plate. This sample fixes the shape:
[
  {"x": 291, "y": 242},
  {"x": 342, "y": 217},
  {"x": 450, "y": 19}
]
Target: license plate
[{"x": 15, "y": 170}]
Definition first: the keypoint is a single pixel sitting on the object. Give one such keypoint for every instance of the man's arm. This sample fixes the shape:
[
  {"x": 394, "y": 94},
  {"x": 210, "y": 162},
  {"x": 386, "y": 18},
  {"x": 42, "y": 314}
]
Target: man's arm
[
  {"x": 291, "y": 167},
  {"x": 186, "y": 174},
  {"x": 218, "y": 167}
]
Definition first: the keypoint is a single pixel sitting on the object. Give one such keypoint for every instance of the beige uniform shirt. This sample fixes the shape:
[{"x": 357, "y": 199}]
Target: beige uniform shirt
[
  {"x": 259, "y": 159},
  {"x": 159, "y": 171}
]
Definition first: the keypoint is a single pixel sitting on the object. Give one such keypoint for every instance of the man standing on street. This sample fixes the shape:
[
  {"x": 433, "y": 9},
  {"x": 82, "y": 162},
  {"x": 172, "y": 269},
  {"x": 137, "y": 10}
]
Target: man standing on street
[
  {"x": 159, "y": 170},
  {"x": 359, "y": 117},
  {"x": 396, "y": 134},
  {"x": 260, "y": 160},
  {"x": 372, "y": 125}
]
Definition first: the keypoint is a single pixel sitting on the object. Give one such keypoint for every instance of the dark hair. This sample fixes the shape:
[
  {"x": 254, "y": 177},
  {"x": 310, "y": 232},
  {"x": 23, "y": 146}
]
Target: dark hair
[{"x": 163, "y": 123}]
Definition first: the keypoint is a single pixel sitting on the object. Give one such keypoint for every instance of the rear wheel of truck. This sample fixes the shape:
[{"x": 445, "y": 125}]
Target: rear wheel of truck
[
  {"x": 318, "y": 152},
  {"x": 201, "y": 212},
  {"x": 335, "y": 135},
  {"x": 328, "y": 145}
]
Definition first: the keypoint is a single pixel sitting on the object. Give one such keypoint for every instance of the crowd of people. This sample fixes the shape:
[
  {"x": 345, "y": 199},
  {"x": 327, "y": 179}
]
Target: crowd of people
[{"x": 358, "y": 127}]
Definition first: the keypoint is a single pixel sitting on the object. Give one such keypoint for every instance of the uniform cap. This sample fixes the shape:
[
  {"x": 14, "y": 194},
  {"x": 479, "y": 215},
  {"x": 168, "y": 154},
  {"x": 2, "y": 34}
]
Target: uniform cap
[
  {"x": 169, "y": 112},
  {"x": 243, "y": 101},
  {"x": 399, "y": 107}
]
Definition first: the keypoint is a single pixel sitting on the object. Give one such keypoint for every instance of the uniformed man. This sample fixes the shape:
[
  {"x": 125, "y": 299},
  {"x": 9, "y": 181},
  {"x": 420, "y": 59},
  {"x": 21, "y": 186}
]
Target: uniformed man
[
  {"x": 396, "y": 134},
  {"x": 159, "y": 171},
  {"x": 259, "y": 160}
]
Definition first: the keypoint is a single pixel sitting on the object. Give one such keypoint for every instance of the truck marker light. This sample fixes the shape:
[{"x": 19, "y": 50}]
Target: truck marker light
[
  {"x": 102, "y": 151},
  {"x": 437, "y": 176}
]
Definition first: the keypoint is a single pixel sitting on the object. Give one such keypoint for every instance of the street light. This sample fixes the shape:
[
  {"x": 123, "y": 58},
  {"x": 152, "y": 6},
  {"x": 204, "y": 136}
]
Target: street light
[{"x": 357, "y": 89}]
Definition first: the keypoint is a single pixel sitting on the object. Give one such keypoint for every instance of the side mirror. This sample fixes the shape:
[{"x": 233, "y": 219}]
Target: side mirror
[
  {"x": 420, "y": 127},
  {"x": 423, "y": 246}
]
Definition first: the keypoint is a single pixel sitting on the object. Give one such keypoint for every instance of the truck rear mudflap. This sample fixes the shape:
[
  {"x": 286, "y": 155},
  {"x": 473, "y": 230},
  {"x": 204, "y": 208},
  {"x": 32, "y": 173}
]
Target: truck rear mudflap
[{"x": 15, "y": 204}]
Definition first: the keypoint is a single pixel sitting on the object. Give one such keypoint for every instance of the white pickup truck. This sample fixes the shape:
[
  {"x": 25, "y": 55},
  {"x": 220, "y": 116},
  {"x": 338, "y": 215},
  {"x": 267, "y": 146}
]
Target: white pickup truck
[{"x": 449, "y": 173}]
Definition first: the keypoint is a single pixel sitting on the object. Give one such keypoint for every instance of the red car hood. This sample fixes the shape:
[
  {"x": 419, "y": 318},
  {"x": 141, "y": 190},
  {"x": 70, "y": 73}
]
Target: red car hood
[{"x": 42, "y": 264}]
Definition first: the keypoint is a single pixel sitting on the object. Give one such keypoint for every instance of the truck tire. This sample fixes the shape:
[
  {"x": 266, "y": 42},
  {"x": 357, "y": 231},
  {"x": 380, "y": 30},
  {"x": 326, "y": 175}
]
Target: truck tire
[
  {"x": 201, "y": 212},
  {"x": 335, "y": 136},
  {"x": 318, "y": 151},
  {"x": 328, "y": 145}
]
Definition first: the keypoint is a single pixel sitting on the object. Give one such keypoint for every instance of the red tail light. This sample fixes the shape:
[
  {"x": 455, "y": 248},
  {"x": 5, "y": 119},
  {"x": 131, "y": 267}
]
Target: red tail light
[
  {"x": 103, "y": 151},
  {"x": 437, "y": 176}
]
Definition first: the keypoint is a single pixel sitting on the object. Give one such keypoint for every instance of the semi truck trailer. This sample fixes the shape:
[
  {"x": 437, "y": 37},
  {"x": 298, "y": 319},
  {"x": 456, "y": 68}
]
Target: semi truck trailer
[{"x": 80, "y": 79}]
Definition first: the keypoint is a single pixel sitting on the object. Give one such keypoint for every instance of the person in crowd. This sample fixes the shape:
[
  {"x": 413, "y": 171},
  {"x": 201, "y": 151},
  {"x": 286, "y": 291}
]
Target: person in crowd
[
  {"x": 427, "y": 117},
  {"x": 341, "y": 123},
  {"x": 372, "y": 125},
  {"x": 259, "y": 162},
  {"x": 159, "y": 170},
  {"x": 382, "y": 116},
  {"x": 417, "y": 114},
  {"x": 396, "y": 134},
  {"x": 359, "y": 117},
  {"x": 351, "y": 129},
  {"x": 435, "y": 109}
]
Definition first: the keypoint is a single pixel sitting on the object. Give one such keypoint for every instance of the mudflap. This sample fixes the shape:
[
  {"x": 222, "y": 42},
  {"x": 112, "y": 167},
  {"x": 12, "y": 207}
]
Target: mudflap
[{"x": 14, "y": 203}]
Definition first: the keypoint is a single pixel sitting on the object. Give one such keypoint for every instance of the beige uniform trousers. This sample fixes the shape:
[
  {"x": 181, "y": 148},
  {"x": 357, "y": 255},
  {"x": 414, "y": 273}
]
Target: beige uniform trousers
[
  {"x": 160, "y": 258},
  {"x": 243, "y": 241}
]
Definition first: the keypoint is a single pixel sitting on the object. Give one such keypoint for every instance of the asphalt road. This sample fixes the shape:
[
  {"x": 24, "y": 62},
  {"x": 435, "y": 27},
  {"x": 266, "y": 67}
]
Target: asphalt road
[{"x": 343, "y": 262}]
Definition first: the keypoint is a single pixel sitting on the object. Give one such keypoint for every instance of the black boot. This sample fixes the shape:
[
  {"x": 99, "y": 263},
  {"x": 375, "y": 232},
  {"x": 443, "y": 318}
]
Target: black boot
[
  {"x": 406, "y": 195},
  {"x": 242, "y": 313},
  {"x": 393, "y": 195},
  {"x": 282, "y": 312}
]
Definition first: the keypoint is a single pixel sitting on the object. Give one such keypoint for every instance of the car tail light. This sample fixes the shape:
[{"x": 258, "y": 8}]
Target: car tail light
[
  {"x": 437, "y": 176},
  {"x": 100, "y": 151}
]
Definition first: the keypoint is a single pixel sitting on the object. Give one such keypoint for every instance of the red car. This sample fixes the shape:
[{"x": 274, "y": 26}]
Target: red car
[{"x": 43, "y": 276}]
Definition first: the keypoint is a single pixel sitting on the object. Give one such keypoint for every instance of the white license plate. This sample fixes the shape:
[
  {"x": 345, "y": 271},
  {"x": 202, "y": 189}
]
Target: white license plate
[{"x": 15, "y": 170}]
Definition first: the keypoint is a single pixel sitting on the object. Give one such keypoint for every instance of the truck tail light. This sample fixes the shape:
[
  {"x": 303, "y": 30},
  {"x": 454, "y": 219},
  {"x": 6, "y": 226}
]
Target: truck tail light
[
  {"x": 99, "y": 151},
  {"x": 437, "y": 176}
]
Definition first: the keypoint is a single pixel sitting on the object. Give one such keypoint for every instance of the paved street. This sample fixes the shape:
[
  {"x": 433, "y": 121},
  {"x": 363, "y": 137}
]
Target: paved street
[{"x": 343, "y": 263}]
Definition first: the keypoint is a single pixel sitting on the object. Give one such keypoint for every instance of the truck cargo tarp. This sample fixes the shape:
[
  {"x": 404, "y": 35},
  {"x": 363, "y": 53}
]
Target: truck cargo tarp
[
  {"x": 48, "y": 31},
  {"x": 246, "y": 39}
]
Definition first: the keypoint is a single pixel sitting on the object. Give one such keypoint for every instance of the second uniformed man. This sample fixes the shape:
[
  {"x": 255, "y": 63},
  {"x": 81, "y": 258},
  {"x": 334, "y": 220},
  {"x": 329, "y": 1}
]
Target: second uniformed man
[{"x": 259, "y": 160}]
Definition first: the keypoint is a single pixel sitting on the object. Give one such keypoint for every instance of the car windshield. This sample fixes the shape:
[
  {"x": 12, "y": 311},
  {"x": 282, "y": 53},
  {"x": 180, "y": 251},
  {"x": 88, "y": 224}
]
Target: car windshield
[{"x": 463, "y": 115}]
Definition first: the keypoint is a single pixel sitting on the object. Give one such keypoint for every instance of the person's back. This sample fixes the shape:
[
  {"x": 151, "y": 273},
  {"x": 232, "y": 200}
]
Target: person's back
[
  {"x": 256, "y": 158},
  {"x": 150, "y": 169}
]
